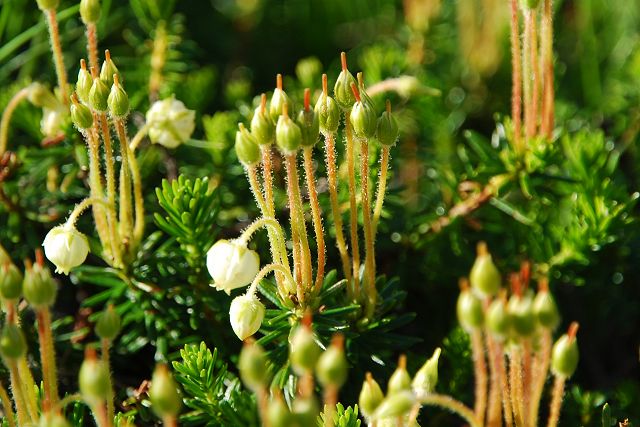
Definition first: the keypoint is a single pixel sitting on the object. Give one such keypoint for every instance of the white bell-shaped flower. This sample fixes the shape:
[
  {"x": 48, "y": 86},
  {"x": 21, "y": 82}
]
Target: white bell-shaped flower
[
  {"x": 246, "y": 315},
  {"x": 232, "y": 265},
  {"x": 52, "y": 123},
  {"x": 170, "y": 122},
  {"x": 65, "y": 247}
]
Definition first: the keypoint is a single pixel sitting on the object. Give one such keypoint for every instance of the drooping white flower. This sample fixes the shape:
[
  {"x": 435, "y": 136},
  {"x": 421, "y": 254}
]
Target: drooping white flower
[
  {"x": 246, "y": 314},
  {"x": 232, "y": 265},
  {"x": 52, "y": 123},
  {"x": 65, "y": 247},
  {"x": 170, "y": 122}
]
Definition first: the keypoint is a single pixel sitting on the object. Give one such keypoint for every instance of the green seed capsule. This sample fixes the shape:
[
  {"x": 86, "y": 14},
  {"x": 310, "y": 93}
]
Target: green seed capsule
[
  {"x": 308, "y": 70},
  {"x": 118, "y": 100},
  {"x": 546, "y": 310},
  {"x": 363, "y": 118},
  {"x": 484, "y": 276},
  {"x": 278, "y": 413},
  {"x": 93, "y": 379},
  {"x": 328, "y": 114},
  {"x": 426, "y": 378},
  {"x": 387, "y": 130},
  {"x": 288, "y": 135},
  {"x": 90, "y": 11},
  {"x": 84, "y": 82},
  {"x": 278, "y": 100},
  {"x": 370, "y": 396},
  {"x": 48, "y": 4},
  {"x": 247, "y": 148},
  {"x": 309, "y": 127},
  {"x": 109, "y": 324},
  {"x": 469, "y": 310},
  {"x": 262, "y": 126},
  {"x": 51, "y": 419},
  {"x": 332, "y": 367},
  {"x": 342, "y": 89},
  {"x": 395, "y": 405},
  {"x": 40, "y": 96},
  {"x": 565, "y": 355},
  {"x": 39, "y": 288},
  {"x": 400, "y": 379},
  {"x": 520, "y": 309},
  {"x": 253, "y": 367},
  {"x": 108, "y": 69},
  {"x": 99, "y": 95},
  {"x": 303, "y": 351},
  {"x": 498, "y": 321},
  {"x": 11, "y": 282},
  {"x": 305, "y": 411},
  {"x": 531, "y": 4},
  {"x": 12, "y": 342},
  {"x": 164, "y": 393},
  {"x": 81, "y": 116}
]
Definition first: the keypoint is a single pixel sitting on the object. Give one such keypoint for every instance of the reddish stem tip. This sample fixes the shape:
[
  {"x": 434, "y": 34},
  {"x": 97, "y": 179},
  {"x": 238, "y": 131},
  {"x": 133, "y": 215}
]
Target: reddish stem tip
[
  {"x": 543, "y": 285},
  {"x": 116, "y": 80},
  {"x": 516, "y": 285},
  {"x": 307, "y": 319},
  {"x": 355, "y": 91},
  {"x": 360, "y": 78},
  {"x": 107, "y": 55},
  {"x": 94, "y": 72},
  {"x": 388, "y": 106},
  {"x": 307, "y": 99},
  {"x": 74, "y": 99},
  {"x": 338, "y": 341},
  {"x": 325, "y": 85},
  {"x": 263, "y": 103},
  {"x": 573, "y": 330},
  {"x": 279, "y": 81},
  {"x": 463, "y": 284},
  {"x": 343, "y": 61},
  {"x": 525, "y": 273},
  {"x": 482, "y": 249},
  {"x": 83, "y": 64},
  {"x": 40, "y": 257},
  {"x": 402, "y": 361},
  {"x": 90, "y": 353},
  {"x": 28, "y": 264}
]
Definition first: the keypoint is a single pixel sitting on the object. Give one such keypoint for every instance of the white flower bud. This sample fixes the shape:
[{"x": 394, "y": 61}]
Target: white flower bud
[
  {"x": 426, "y": 378},
  {"x": 171, "y": 123},
  {"x": 232, "y": 265},
  {"x": 246, "y": 314},
  {"x": 52, "y": 123},
  {"x": 65, "y": 247}
]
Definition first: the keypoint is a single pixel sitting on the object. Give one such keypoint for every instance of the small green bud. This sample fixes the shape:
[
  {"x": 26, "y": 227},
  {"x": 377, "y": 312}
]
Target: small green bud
[
  {"x": 303, "y": 351},
  {"x": 40, "y": 96},
  {"x": 253, "y": 367},
  {"x": 84, "y": 83},
  {"x": 531, "y": 4},
  {"x": 38, "y": 287},
  {"x": 118, "y": 100},
  {"x": 48, "y": 4},
  {"x": 327, "y": 111},
  {"x": 332, "y": 368},
  {"x": 306, "y": 410},
  {"x": 469, "y": 309},
  {"x": 164, "y": 393},
  {"x": 546, "y": 309},
  {"x": 262, "y": 126},
  {"x": 308, "y": 70},
  {"x": 10, "y": 282},
  {"x": 498, "y": 321},
  {"x": 81, "y": 115},
  {"x": 370, "y": 396},
  {"x": 395, "y": 405},
  {"x": 387, "y": 131},
  {"x": 485, "y": 277},
  {"x": 90, "y": 11},
  {"x": 308, "y": 122},
  {"x": 400, "y": 379},
  {"x": 52, "y": 419},
  {"x": 247, "y": 148},
  {"x": 565, "y": 355},
  {"x": 12, "y": 342},
  {"x": 363, "y": 117},
  {"x": 520, "y": 309},
  {"x": 93, "y": 378},
  {"x": 278, "y": 413},
  {"x": 342, "y": 89},
  {"x": 108, "y": 324},
  {"x": 288, "y": 134},
  {"x": 426, "y": 378},
  {"x": 108, "y": 69},
  {"x": 99, "y": 95},
  {"x": 278, "y": 100}
]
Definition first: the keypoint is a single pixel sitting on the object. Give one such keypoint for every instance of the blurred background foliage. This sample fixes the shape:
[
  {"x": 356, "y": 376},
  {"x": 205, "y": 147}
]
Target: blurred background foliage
[{"x": 573, "y": 215}]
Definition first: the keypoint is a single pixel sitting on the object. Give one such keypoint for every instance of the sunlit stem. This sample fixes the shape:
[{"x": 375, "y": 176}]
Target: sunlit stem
[
  {"x": 106, "y": 358},
  {"x": 58, "y": 58},
  {"x": 450, "y": 404},
  {"x": 541, "y": 368},
  {"x": 6, "y": 117},
  {"x": 330, "y": 153},
  {"x": 264, "y": 272},
  {"x": 125, "y": 215},
  {"x": 7, "y": 407},
  {"x": 92, "y": 44},
  {"x": 547, "y": 70},
  {"x": 330, "y": 398},
  {"x": 515, "y": 382},
  {"x": 504, "y": 384},
  {"x": 169, "y": 421},
  {"x": 370, "y": 262},
  {"x": 353, "y": 207},
  {"x": 527, "y": 74},
  {"x": 382, "y": 187},
  {"x": 317, "y": 217},
  {"x": 18, "y": 396},
  {"x": 276, "y": 236},
  {"x": 516, "y": 78},
  {"x": 556, "y": 401},
  {"x": 527, "y": 378},
  {"x": 480, "y": 371},
  {"x": 535, "y": 72},
  {"x": 254, "y": 182},
  {"x": 299, "y": 223},
  {"x": 48, "y": 358},
  {"x": 138, "y": 137},
  {"x": 494, "y": 412}
]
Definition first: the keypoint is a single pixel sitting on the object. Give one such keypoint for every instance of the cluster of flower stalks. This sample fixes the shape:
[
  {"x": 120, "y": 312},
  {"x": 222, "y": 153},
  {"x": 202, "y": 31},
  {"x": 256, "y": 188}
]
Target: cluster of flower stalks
[
  {"x": 232, "y": 265},
  {"x": 27, "y": 406},
  {"x": 98, "y": 107}
]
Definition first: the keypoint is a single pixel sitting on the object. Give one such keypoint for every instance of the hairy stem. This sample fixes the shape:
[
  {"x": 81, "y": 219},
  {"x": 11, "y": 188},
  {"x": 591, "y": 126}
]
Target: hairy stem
[
  {"x": 6, "y": 117},
  {"x": 556, "y": 401},
  {"x": 369, "y": 242},
  {"x": 305, "y": 251},
  {"x": 547, "y": 70},
  {"x": 111, "y": 190},
  {"x": 126, "y": 199},
  {"x": 527, "y": 74},
  {"x": 58, "y": 58},
  {"x": 541, "y": 368},
  {"x": 48, "y": 358},
  {"x": 515, "y": 381},
  {"x": 494, "y": 413},
  {"x": 97, "y": 192},
  {"x": 317, "y": 217},
  {"x": 137, "y": 138},
  {"x": 17, "y": 393},
  {"x": 353, "y": 207},
  {"x": 106, "y": 358},
  {"x": 480, "y": 371},
  {"x": 451, "y": 404},
  {"x": 504, "y": 383},
  {"x": 382, "y": 187},
  {"x": 516, "y": 78},
  {"x": 92, "y": 44},
  {"x": 254, "y": 182},
  {"x": 7, "y": 407},
  {"x": 535, "y": 72}
]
